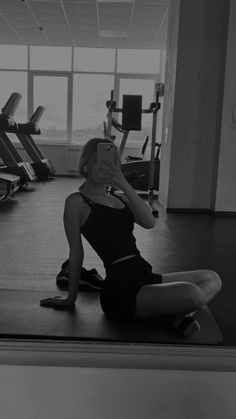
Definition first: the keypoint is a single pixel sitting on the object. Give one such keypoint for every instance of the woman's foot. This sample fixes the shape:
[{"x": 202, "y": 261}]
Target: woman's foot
[{"x": 186, "y": 325}]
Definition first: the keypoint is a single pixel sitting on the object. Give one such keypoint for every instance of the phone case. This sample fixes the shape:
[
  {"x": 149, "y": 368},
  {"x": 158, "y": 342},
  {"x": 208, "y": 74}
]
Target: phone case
[{"x": 106, "y": 152}]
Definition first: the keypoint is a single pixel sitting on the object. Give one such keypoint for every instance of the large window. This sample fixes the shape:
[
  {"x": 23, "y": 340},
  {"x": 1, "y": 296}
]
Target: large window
[
  {"x": 73, "y": 84},
  {"x": 90, "y": 93},
  {"x": 51, "y": 93}
]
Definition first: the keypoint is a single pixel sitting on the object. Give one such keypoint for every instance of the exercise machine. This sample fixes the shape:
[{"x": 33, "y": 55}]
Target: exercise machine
[
  {"x": 125, "y": 133},
  {"x": 131, "y": 120},
  {"x": 134, "y": 158},
  {"x": 9, "y": 185},
  {"x": 41, "y": 165},
  {"x": 136, "y": 169},
  {"x": 13, "y": 163}
]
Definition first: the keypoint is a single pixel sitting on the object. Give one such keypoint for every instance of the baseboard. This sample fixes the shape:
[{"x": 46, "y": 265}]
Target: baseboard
[
  {"x": 67, "y": 175},
  {"x": 190, "y": 211},
  {"x": 226, "y": 213},
  {"x": 200, "y": 211}
]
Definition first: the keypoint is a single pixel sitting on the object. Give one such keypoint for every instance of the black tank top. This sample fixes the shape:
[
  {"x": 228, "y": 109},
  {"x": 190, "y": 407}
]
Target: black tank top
[{"x": 110, "y": 231}]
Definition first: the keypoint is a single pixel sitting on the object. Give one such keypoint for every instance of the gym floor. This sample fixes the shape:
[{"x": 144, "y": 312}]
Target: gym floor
[{"x": 33, "y": 246}]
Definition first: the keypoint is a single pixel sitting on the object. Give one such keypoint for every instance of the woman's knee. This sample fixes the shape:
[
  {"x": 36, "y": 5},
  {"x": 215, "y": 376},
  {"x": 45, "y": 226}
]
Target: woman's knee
[
  {"x": 213, "y": 279},
  {"x": 194, "y": 296}
]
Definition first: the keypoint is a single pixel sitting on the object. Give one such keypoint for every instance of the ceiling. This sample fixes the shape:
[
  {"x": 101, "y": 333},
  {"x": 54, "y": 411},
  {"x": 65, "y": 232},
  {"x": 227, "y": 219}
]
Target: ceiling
[{"x": 88, "y": 23}]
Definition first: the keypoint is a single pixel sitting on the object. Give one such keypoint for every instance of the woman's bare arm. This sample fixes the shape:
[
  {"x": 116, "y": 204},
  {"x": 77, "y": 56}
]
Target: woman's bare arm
[
  {"x": 142, "y": 214},
  {"x": 72, "y": 223}
]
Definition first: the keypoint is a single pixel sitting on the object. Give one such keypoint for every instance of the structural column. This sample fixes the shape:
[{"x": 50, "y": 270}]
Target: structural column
[{"x": 194, "y": 83}]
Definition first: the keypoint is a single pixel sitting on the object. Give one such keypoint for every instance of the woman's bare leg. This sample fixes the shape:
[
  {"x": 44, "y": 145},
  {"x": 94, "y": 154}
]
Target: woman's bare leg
[
  {"x": 207, "y": 280},
  {"x": 179, "y": 294}
]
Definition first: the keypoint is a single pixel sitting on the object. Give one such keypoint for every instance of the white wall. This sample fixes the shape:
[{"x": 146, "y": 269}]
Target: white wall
[
  {"x": 100, "y": 393},
  {"x": 193, "y": 98},
  {"x": 226, "y": 183},
  {"x": 161, "y": 99},
  {"x": 169, "y": 97}
]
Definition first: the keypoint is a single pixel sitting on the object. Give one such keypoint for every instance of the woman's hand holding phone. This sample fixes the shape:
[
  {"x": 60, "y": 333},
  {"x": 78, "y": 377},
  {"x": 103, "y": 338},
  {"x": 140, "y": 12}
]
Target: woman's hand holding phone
[{"x": 112, "y": 170}]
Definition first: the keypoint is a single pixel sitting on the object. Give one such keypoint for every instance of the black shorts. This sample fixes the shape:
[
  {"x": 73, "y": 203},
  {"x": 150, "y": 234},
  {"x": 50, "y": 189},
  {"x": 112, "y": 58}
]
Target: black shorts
[{"x": 122, "y": 284}]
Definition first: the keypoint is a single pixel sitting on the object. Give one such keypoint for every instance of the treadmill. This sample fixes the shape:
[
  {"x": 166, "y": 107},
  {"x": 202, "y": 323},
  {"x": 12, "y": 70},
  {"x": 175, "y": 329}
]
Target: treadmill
[
  {"x": 13, "y": 162},
  {"x": 43, "y": 167},
  {"x": 9, "y": 185}
]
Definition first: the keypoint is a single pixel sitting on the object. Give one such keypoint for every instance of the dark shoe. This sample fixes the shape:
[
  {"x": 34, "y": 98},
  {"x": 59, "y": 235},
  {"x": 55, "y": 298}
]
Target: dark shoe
[
  {"x": 90, "y": 279},
  {"x": 62, "y": 277},
  {"x": 186, "y": 326}
]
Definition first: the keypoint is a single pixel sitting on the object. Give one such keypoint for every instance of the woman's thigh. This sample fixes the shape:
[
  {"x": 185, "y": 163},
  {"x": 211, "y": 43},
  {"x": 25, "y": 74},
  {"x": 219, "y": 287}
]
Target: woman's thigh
[
  {"x": 176, "y": 297},
  {"x": 179, "y": 292},
  {"x": 194, "y": 277},
  {"x": 207, "y": 280}
]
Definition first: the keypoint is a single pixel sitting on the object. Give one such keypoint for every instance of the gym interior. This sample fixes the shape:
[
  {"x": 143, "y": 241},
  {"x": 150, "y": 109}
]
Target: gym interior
[{"x": 64, "y": 60}]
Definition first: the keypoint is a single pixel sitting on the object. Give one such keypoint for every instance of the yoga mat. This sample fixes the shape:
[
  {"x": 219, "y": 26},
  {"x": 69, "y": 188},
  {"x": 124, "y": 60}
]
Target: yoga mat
[{"x": 21, "y": 316}]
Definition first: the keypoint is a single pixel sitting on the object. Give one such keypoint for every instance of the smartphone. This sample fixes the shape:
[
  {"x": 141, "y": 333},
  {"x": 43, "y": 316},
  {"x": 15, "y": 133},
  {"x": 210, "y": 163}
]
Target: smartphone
[{"x": 106, "y": 151}]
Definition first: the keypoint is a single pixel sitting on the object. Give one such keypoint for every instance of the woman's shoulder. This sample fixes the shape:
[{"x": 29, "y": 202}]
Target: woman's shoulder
[
  {"x": 75, "y": 208},
  {"x": 75, "y": 200},
  {"x": 74, "y": 197}
]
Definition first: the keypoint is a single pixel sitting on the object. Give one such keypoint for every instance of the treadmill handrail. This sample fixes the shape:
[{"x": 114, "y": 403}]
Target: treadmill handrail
[
  {"x": 37, "y": 115},
  {"x": 10, "y": 107}
]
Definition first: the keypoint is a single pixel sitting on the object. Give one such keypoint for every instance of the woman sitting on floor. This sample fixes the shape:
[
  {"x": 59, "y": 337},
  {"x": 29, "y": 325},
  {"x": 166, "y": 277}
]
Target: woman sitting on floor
[{"x": 130, "y": 289}]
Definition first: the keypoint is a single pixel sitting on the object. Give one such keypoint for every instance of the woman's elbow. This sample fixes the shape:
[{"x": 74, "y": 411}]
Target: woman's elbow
[{"x": 149, "y": 224}]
